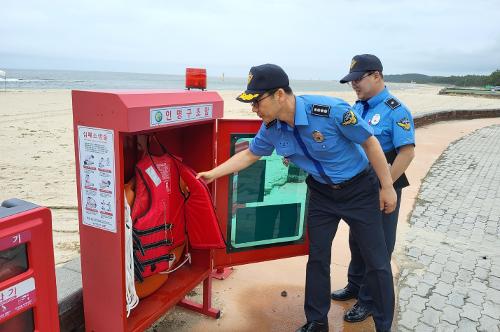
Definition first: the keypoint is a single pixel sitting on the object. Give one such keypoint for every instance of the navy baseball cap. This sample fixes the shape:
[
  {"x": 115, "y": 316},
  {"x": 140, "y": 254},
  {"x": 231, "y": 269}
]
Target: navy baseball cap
[
  {"x": 261, "y": 79},
  {"x": 361, "y": 64}
]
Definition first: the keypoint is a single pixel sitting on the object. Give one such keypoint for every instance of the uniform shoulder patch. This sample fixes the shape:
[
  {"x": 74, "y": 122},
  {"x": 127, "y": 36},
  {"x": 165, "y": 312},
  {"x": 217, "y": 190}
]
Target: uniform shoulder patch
[
  {"x": 392, "y": 103},
  {"x": 270, "y": 124},
  {"x": 320, "y": 110},
  {"x": 404, "y": 123},
  {"x": 349, "y": 118}
]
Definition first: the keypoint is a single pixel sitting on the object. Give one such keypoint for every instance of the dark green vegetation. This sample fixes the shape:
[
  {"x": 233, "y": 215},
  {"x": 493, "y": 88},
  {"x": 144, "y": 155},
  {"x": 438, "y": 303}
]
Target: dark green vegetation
[{"x": 463, "y": 81}]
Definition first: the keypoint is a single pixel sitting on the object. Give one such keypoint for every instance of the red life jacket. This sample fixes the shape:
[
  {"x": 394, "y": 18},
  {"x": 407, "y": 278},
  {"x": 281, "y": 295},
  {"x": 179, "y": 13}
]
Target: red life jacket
[
  {"x": 201, "y": 221},
  {"x": 161, "y": 214},
  {"x": 157, "y": 214}
]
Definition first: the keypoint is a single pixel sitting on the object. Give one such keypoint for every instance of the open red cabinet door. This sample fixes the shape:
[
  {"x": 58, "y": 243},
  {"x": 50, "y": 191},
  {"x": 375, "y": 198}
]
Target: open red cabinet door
[{"x": 261, "y": 209}]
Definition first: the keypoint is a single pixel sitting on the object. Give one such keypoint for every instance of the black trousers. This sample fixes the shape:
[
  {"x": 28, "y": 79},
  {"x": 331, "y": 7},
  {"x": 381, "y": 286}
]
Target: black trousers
[
  {"x": 357, "y": 267},
  {"x": 358, "y": 205}
]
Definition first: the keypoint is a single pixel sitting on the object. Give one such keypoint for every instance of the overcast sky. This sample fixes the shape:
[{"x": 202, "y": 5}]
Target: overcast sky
[{"x": 309, "y": 39}]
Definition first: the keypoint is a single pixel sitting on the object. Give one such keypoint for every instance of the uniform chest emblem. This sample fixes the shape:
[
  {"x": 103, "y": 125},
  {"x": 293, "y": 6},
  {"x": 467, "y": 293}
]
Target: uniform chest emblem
[
  {"x": 349, "y": 118},
  {"x": 404, "y": 123},
  {"x": 321, "y": 110},
  {"x": 318, "y": 136},
  {"x": 375, "y": 119}
]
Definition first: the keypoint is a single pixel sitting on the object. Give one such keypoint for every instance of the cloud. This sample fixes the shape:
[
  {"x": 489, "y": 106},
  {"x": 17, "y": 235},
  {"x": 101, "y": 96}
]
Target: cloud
[{"x": 311, "y": 39}]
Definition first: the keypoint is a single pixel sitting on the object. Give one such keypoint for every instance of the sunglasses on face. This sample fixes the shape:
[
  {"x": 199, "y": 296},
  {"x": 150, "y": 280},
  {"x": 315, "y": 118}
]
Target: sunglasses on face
[
  {"x": 256, "y": 103},
  {"x": 362, "y": 77}
]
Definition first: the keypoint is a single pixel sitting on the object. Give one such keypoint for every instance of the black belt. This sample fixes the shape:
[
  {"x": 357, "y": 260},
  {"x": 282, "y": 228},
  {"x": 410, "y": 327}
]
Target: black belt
[{"x": 346, "y": 183}]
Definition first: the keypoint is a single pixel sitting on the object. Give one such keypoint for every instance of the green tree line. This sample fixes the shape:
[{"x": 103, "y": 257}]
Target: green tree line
[{"x": 465, "y": 81}]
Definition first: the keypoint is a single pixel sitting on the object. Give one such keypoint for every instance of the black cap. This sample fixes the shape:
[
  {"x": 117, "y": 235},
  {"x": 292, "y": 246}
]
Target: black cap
[
  {"x": 261, "y": 79},
  {"x": 361, "y": 64}
]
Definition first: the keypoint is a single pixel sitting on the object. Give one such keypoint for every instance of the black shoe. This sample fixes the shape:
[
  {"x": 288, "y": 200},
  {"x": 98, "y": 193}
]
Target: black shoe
[
  {"x": 314, "y": 327},
  {"x": 344, "y": 294},
  {"x": 357, "y": 313}
]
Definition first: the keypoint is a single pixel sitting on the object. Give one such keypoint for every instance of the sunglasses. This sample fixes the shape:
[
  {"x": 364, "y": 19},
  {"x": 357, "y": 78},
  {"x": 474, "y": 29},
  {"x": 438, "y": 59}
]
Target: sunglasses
[
  {"x": 361, "y": 78},
  {"x": 256, "y": 103}
]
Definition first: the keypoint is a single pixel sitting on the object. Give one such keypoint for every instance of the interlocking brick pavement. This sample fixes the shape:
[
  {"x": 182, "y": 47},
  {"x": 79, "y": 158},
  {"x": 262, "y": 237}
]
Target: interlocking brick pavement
[{"x": 450, "y": 268}]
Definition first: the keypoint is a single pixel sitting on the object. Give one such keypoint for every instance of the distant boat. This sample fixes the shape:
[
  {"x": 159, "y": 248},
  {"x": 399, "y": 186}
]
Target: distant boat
[{"x": 413, "y": 82}]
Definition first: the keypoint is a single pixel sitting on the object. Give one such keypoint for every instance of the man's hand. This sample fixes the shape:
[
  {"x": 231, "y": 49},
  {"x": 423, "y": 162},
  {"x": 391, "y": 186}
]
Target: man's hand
[
  {"x": 388, "y": 199},
  {"x": 207, "y": 176},
  {"x": 236, "y": 163}
]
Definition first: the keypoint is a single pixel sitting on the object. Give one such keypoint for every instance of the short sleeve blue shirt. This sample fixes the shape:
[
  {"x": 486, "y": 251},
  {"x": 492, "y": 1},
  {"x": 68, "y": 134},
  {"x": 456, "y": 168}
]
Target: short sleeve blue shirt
[
  {"x": 331, "y": 131},
  {"x": 391, "y": 121}
]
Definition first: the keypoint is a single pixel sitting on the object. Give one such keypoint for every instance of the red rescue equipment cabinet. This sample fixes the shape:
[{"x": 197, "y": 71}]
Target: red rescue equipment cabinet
[
  {"x": 28, "y": 294},
  {"x": 260, "y": 210}
]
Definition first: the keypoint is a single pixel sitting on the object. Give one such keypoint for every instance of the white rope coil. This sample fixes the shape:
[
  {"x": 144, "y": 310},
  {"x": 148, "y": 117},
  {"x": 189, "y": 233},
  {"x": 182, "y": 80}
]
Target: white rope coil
[{"x": 131, "y": 295}]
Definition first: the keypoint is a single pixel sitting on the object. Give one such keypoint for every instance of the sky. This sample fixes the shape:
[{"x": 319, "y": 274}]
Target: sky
[{"x": 309, "y": 39}]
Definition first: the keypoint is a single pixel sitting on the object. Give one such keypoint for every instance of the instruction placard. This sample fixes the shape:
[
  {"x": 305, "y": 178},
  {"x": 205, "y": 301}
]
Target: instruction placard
[{"x": 97, "y": 177}]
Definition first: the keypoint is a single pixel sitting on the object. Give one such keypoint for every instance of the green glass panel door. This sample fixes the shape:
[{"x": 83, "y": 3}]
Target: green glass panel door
[{"x": 267, "y": 202}]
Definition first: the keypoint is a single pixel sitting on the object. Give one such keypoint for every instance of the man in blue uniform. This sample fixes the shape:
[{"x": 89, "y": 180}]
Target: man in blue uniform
[
  {"x": 327, "y": 139},
  {"x": 392, "y": 125}
]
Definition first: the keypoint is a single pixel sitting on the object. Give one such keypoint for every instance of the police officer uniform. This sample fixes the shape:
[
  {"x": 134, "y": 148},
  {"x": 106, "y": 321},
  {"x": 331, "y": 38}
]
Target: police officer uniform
[
  {"x": 393, "y": 126},
  {"x": 325, "y": 142}
]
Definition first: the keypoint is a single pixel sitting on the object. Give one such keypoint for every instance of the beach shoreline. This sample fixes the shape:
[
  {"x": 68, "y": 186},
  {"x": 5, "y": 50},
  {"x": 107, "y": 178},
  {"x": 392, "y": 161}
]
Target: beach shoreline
[{"x": 37, "y": 150}]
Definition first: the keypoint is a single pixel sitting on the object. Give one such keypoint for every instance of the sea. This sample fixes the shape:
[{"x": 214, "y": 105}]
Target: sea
[{"x": 25, "y": 79}]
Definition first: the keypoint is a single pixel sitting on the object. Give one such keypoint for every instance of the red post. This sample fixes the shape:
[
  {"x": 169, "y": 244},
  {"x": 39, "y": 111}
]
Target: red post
[
  {"x": 206, "y": 307},
  {"x": 222, "y": 273}
]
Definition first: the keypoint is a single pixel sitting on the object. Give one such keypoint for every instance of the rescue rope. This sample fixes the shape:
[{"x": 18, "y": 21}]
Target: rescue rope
[
  {"x": 188, "y": 259},
  {"x": 131, "y": 295}
]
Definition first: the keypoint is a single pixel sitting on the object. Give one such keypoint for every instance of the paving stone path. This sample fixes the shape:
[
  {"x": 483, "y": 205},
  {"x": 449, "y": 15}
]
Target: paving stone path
[{"x": 450, "y": 267}]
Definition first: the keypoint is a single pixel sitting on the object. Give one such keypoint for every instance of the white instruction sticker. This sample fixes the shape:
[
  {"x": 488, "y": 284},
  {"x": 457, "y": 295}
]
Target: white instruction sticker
[
  {"x": 153, "y": 175},
  {"x": 97, "y": 177},
  {"x": 17, "y": 298}
]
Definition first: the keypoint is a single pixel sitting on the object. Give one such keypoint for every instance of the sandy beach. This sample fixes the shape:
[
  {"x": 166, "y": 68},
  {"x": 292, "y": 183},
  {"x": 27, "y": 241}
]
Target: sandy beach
[{"x": 37, "y": 153}]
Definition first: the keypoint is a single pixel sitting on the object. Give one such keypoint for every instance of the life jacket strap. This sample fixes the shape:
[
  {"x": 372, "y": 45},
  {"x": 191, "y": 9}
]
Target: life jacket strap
[
  {"x": 167, "y": 257},
  {"x": 138, "y": 269},
  {"x": 143, "y": 232},
  {"x": 165, "y": 242}
]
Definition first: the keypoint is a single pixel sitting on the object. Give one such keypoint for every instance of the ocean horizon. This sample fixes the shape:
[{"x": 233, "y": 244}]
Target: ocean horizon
[{"x": 36, "y": 79}]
